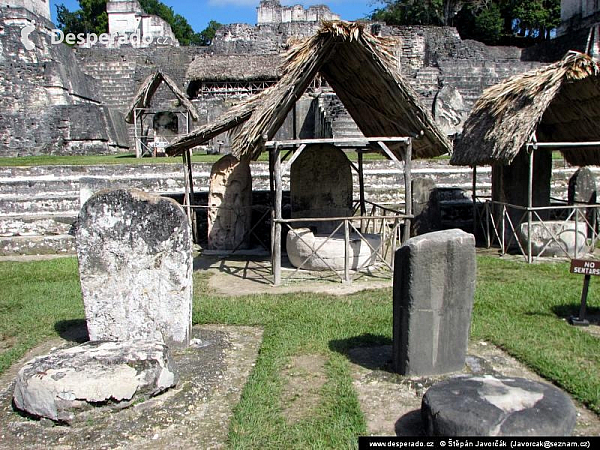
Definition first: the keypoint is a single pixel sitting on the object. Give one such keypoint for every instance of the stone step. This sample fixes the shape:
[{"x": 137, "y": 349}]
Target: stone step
[
  {"x": 29, "y": 186},
  {"x": 37, "y": 245},
  {"x": 28, "y": 205},
  {"x": 36, "y": 225}
]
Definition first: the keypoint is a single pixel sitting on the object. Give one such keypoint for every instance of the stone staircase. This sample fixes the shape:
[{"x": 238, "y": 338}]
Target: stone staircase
[
  {"x": 117, "y": 80},
  {"x": 337, "y": 117},
  {"x": 39, "y": 205},
  {"x": 472, "y": 77}
]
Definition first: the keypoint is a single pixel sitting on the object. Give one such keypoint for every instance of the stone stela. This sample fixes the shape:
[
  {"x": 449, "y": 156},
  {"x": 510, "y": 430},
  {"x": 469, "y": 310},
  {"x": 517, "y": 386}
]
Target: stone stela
[{"x": 587, "y": 268}]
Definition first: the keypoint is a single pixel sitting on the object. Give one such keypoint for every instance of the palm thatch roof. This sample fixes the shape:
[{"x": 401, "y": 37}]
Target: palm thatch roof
[
  {"x": 144, "y": 95},
  {"x": 559, "y": 103},
  {"x": 235, "y": 68},
  {"x": 361, "y": 69}
]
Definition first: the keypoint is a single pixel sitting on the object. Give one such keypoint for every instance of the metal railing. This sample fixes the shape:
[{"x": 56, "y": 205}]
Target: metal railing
[
  {"x": 379, "y": 220},
  {"x": 502, "y": 224}
]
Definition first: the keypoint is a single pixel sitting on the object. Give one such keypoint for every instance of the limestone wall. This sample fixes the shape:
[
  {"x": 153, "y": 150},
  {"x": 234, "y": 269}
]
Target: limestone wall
[
  {"x": 38, "y": 205},
  {"x": 271, "y": 11},
  {"x": 47, "y": 104},
  {"x": 39, "y": 7}
]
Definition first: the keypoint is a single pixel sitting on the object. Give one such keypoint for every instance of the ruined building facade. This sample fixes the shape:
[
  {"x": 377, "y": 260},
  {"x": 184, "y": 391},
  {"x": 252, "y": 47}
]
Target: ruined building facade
[
  {"x": 127, "y": 18},
  {"x": 272, "y": 12},
  {"x": 55, "y": 99}
]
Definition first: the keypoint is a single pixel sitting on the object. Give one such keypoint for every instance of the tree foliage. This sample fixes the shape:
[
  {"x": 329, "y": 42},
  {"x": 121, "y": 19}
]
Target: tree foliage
[
  {"x": 91, "y": 17},
  {"x": 490, "y": 21}
]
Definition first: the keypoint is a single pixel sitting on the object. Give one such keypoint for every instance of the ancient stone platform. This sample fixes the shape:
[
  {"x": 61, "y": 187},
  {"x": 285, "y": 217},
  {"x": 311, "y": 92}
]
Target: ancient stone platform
[
  {"x": 392, "y": 403},
  {"x": 62, "y": 384},
  {"x": 497, "y": 406},
  {"x": 194, "y": 414}
]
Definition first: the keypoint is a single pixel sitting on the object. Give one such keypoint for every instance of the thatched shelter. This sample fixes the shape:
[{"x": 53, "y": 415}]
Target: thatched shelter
[
  {"x": 363, "y": 72},
  {"x": 558, "y": 103},
  {"x": 515, "y": 125},
  {"x": 234, "y": 68},
  {"x": 145, "y": 93},
  {"x": 140, "y": 110}
]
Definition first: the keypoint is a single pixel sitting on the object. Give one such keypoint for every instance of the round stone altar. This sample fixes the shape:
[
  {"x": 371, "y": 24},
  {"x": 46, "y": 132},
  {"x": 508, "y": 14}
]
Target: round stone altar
[
  {"x": 496, "y": 406},
  {"x": 65, "y": 383},
  {"x": 310, "y": 251}
]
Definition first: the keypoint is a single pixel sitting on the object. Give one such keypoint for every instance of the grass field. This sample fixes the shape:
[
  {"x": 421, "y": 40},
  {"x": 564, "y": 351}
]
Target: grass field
[{"x": 518, "y": 307}]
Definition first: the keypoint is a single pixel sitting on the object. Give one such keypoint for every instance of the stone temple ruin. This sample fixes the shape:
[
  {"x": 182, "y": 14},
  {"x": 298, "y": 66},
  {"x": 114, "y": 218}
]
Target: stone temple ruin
[
  {"x": 135, "y": 248},
  {"x": 73, "y": 100}
]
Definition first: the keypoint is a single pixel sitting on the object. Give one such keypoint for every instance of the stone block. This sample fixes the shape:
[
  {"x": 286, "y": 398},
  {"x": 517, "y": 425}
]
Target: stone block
[
  {"x": 497, "y": 406},
  {"x": 135, "y": 264},
  {"x": 65, "y": 383},
  {"x": 321, "y": 252},
  {"x": 582, "y": 187},
  {"x": 555, "y": 238},
  {"x": 434, "y": 287}
]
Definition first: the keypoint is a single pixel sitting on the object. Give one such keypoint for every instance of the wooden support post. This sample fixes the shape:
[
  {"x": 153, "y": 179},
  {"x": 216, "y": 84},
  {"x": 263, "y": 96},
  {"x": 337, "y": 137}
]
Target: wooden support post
[
  {"x": 361, "y": 182},
  {"x": 407, "y": 189},
  {"x": 529, "y": 207},
  {"x": 191, "y": 211},
  {"x": 186, "y": 180},
  {"x": 347, "y": 279},
  {"x": 474, "y": 196},
  {"x": 135, "y": 134},
  {"x": 278, "y": 216}
]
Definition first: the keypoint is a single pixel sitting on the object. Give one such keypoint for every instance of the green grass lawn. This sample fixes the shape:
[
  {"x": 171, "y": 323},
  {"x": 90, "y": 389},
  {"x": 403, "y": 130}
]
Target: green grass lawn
[{"x": 518, "y": 307}]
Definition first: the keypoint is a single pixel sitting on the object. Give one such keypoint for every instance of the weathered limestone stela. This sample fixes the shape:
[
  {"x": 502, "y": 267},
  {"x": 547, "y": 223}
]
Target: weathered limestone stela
[
  {"x": 135, "y": 264},
  {"x": 434, "y": 287},
  {"x": 321, "y": 186},
  {"x": 230, "y": 203}
]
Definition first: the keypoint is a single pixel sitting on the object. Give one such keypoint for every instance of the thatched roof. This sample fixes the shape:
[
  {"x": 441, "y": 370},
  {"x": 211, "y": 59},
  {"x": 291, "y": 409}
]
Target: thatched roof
[
  {"x": 560, "y": 103},
  {"x": 235, "y": 68},
  {"x": 144, "y": 95},
  {"x": 361, "y": 69}
]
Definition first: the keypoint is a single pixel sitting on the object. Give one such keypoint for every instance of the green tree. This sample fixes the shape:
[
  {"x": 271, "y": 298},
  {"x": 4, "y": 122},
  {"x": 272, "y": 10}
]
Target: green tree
[
  {"x": 536, "y": 18},
  {"x": 91, "y": 17},
  {"x": 482, "y": 21},
  {"x": 208, "y": 34},
  {"x": 418, "y": 12},
  {"x": 411, "y": 12},
  {"x": 489, "y": 21}
]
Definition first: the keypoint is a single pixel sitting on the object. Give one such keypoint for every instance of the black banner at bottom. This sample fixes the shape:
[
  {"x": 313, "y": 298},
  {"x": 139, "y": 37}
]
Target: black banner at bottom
[{"x": 374, "y": 442}]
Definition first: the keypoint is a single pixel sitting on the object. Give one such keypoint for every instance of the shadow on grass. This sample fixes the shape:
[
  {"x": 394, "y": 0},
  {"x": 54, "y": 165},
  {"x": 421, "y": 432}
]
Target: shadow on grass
[
  {"x": 373, "y": 352},
  {"x": 73, "y": 330},
  {"x": 572, "y": 310},
  {"x": 410, "y": 424}
]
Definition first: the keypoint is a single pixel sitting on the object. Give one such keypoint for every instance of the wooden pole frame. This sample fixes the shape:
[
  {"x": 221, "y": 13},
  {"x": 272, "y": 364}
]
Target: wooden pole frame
[{"x": 277, "y": 170}]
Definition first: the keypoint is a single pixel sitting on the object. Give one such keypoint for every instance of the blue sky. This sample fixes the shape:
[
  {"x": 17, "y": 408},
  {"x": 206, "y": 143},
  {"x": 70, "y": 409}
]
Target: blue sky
[{"x": 199, "y": 12}]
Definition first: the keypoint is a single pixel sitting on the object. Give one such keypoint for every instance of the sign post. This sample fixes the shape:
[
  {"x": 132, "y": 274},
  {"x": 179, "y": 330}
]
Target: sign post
[{"x": 587, "y": 268}]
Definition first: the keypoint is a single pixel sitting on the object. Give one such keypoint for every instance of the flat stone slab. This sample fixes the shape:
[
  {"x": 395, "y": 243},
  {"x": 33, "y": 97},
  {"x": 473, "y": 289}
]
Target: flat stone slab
[
  {"x": 496, "y": 406},
  {"x": 62, "y": 384},
  {"x": 193, "y": 415}
]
